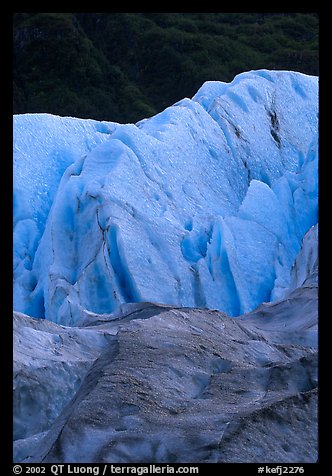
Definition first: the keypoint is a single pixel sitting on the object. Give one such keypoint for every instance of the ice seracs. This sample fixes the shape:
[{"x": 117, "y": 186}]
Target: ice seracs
[
  {"x": 204, "y": 204},
  {"x": 44, "y": 146},
  {"x": 136, "y": 240}
]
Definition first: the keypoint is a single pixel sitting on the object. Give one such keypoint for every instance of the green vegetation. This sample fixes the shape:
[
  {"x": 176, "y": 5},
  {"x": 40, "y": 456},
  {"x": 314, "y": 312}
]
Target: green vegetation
[{"x": 126, "y": 66}]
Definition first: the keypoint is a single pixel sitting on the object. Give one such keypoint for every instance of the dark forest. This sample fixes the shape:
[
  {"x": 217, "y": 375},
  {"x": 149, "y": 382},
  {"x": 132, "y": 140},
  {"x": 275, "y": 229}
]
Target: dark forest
[{"x": 123, "y": 67}]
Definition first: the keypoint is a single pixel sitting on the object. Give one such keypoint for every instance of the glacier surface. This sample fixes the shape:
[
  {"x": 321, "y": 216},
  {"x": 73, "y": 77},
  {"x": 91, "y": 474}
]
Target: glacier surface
[
  {"x": 158, "y": 383},
  {"x": 124, "y": 234},
  {"x": 140, "y": 384},
  {"x": 203, "y": 205}
]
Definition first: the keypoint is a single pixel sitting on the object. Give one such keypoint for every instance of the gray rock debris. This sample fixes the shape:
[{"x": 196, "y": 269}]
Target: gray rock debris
[{"x": 174, "y": 385}]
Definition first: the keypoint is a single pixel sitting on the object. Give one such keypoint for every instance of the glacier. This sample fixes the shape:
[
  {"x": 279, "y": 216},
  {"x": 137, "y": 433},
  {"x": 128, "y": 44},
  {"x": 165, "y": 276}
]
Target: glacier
[
  {"x": 203, "y": 205},
  {"x": 158, "y": 383},
  {"x": 166, "y": 280}
]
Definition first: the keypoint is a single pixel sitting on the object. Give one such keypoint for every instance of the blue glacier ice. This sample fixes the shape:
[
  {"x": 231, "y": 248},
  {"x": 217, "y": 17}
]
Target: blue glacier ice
[{"x": 205, "y": 204}]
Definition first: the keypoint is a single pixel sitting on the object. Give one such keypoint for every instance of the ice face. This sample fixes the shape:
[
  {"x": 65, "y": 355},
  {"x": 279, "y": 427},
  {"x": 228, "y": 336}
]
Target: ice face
[
  {"x": 44, "y": 146},
  {"x": 204, "y": 204}
]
